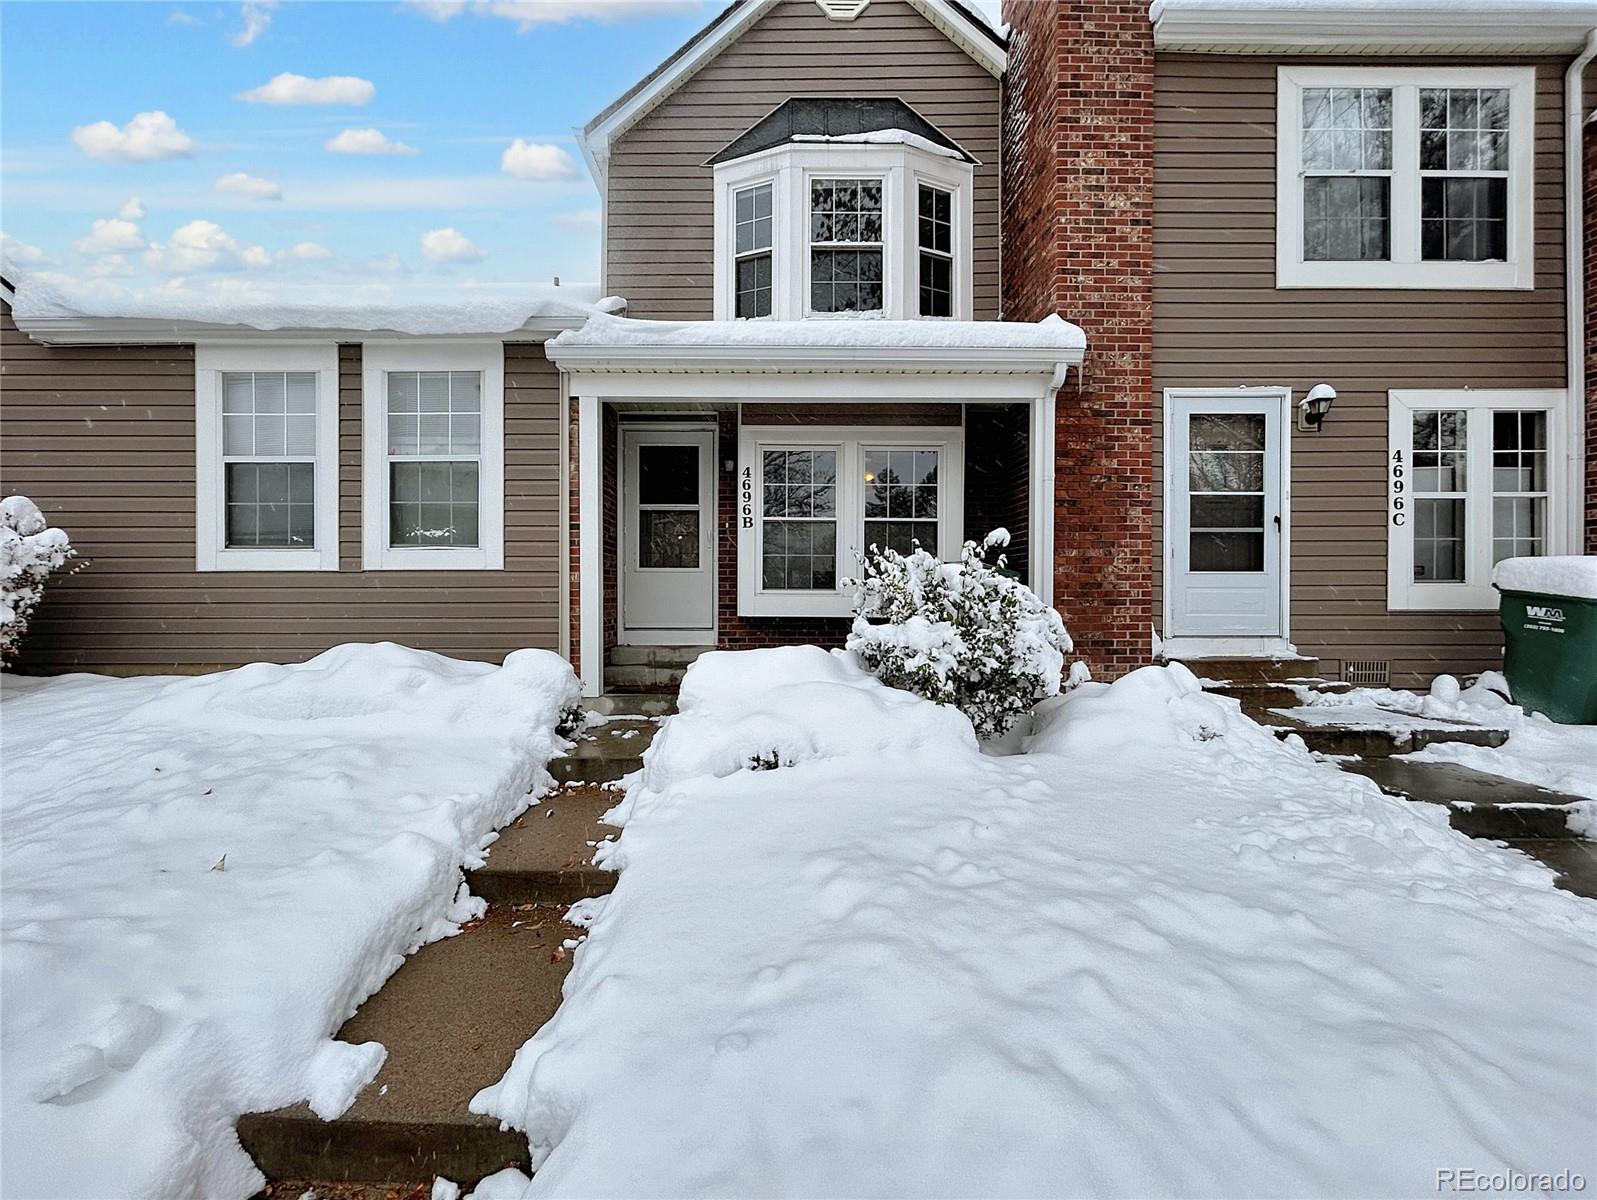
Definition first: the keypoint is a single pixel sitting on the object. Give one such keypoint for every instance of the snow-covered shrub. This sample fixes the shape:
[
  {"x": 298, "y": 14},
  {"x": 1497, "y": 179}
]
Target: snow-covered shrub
[
  {"x": 29, "y": 550},
  {"x": 963, "y": 633}
]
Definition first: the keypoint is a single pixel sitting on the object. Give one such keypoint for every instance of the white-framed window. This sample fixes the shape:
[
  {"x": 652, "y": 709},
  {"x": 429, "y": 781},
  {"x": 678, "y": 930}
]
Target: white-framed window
[
  {"x": 811, "y": 499},
  {"x": 752, "y": 250},
  {"x": 1473, "y": 477},
  {"x": 1405, "y": 177},
  {"x": 935, "y": 239},
  {"x": 433, "y": 461},
  {"x": 266, "y": 458},
  {"x": 845, "y": 235}
]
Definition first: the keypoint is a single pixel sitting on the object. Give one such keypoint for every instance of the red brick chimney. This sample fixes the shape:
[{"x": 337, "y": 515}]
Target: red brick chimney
[{"x": 1078, "y": 241}]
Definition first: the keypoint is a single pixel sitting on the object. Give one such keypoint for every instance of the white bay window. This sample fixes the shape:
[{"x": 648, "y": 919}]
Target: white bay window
[
  {"x": 434, "y": 456},
  {"x": 1405, "y": 177},
  {"x": 1474, "y": 477},
  {"x": 811, "y": 500},
  {"x": 266, "y": 466},
  {"x": 837, "y": 230}
]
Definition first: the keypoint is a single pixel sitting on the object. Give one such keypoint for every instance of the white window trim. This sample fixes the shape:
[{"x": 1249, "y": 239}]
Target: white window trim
[
  {"x": 1403, "y": 593},
  {"x": 789, "y": 169},
  {"x": 211, "y": 552},
  {"x": 753, "y": 440},
  {"x": 378, "y": 358},
  {"x": 1406, "y": 269}
]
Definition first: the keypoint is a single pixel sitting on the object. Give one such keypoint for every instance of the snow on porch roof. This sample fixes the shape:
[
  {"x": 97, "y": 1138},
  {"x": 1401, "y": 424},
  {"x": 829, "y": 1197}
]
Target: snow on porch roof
[
  {"x": 852, "y": 343},
  {"x": 527, "y": 309}
]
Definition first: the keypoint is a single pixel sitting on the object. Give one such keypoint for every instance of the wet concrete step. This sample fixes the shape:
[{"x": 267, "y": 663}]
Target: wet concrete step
[
  {"x": 653, "y": 656},
  {"x": 452, "y": 1018},
  {"x": 546, "y": 855},
  {"x": 1368, "y": 731},
  {"x": 643, "y": 677},
  {"x": 1250, "y": 669},
  {"x": 605, "y": 753},
  {"x": 1256, "y": 698},
  {"x": 633, "y": 704},
  {"x": 1479, "y": 804}
]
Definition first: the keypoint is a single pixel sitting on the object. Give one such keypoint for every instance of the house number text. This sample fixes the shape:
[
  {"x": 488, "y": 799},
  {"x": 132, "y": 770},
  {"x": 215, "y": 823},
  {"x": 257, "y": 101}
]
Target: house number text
[
  {"x": 746, "y": 502},
  {"x": 1399, "y": 505}
]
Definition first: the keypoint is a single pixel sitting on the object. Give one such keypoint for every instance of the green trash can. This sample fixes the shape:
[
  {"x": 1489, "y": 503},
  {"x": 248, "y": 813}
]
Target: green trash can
[{"x": 1549, "y": 650}]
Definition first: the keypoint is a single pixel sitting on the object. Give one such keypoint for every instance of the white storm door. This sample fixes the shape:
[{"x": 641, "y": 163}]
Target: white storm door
[
  {"x": 668, "y": 530},
  {"x": 1223, "y": 514}
]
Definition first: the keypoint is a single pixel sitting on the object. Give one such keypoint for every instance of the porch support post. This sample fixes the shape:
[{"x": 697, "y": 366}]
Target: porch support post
[
  {"x": 1040, "y": 510},
  {"x": 590, "y": 535}
]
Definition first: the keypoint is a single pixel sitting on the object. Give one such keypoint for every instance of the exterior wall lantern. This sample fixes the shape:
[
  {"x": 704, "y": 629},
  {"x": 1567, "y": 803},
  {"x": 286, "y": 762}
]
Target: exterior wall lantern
[{"x": 1312, "y": 409}]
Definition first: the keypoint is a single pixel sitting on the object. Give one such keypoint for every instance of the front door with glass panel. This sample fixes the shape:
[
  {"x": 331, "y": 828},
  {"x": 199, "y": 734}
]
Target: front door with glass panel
[
  {"x": 667, "y": 534},
  {"x": 1223, "y": 514}
]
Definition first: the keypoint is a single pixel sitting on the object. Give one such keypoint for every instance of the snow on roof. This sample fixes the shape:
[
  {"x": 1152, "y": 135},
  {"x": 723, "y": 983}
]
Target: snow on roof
[
  {"x": 1552, "y": 7},
  {"x": 883, "y": 137},
  {"x": 602, "y": 330},
  {"x": 486, "y": 310}
]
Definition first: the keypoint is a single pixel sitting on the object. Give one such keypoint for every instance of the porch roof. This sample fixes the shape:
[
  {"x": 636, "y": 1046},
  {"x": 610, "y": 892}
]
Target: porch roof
[{"x": 619, "y": 345}]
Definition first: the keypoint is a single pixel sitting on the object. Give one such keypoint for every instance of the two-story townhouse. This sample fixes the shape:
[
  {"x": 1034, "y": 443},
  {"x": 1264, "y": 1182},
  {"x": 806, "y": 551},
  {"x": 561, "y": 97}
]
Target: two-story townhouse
[{"x": 1370, "y": 206}]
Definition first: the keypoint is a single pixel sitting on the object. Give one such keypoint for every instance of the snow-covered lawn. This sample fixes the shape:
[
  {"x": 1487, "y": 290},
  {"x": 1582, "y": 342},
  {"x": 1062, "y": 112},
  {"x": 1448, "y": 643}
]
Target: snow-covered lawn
[
  {"x": 1161, "y": 954},
  {"x": 203, "y": 877},
  {"x": 1538, "y": 751}
]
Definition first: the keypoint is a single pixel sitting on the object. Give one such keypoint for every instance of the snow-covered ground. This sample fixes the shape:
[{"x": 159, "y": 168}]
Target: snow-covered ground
[
  {"x": 203, "y": 877},
  {"x": 1538, "y": 751},
  {"x": 1161, "y": 953}
]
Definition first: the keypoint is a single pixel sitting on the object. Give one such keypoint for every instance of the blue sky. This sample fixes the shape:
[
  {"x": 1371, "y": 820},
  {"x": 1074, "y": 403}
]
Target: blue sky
[{"x": 447, "y": 87}]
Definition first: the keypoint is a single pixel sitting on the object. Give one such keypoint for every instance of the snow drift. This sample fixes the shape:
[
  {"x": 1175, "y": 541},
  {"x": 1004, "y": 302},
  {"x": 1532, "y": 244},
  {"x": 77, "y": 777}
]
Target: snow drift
[
  {"x": 204, "y": 877},
  {"x": 1161, "y": 954}
]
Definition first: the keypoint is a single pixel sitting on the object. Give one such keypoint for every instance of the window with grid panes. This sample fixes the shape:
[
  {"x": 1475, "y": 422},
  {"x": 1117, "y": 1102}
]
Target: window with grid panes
[
  {"x": 845, "y": 245},
  {"x": 936, "y": 234},
  {"x": 752, "y": 250},
  {"x": 269, "y": 459},
  {"x": 798, "y": 525},
  {"x": 1347, "y": 173},
  {"x": 434, "y": 457}
]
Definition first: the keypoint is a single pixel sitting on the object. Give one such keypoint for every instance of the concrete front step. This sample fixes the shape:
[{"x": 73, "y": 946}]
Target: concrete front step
[
  {"x": 546, "y": 855},
  {"x": 1479, "y": 805},
  {"x": 452, "y": 1018},
  {"x": 606, "y": 753},
  {"x": 654, "y": 656},
  {"x": 1258, "y": 697},
  {"x": 1345, "y": 730},
  {"x": 625, "y": 677},
  {"x": 1250, "y": 669},
  {"x": 632, "y": 704}
]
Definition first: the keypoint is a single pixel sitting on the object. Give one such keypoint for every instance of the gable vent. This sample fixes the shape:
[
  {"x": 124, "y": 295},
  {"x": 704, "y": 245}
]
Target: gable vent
[
  {"x": 1366, "y": 672},
  {"x": 842, "y": 10}
]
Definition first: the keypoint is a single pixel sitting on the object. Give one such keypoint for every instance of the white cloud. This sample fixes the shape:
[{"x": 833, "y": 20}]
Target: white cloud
[
  {"x": 536, "y": 160},
  {"x": 257, "y": 16},
  {"x": 111, "y": 265},
  {"x": 20, "y": 253},
  {"x": 365, "y": 141},
  {"x": 204, "y": 246},
  {"x": 147, "y": 137},
  {"x": 132, "y": 209},
  {"x": 252, "y": 187},
  {"x": 288, "y": 88},
  {"x": 179, "y": 17},
  {"x": 584, "y": 220},
  {"x": 304, "y": 252},
  {"x": 527, "y": 14},
  {"x": 449, "y": 245},
  {"x": 110, "y": 236}
]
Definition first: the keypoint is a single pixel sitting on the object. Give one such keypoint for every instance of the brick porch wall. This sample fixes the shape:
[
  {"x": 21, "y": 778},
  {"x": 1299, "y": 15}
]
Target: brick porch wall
[{"x": 1078, "y": 241}]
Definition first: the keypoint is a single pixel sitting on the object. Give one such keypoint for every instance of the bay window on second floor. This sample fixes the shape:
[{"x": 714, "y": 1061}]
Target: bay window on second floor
[{"x": 844, "y": 229}]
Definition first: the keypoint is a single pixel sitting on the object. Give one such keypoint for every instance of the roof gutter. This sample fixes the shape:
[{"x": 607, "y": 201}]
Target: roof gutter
[{"x": 1574, "y": 262}]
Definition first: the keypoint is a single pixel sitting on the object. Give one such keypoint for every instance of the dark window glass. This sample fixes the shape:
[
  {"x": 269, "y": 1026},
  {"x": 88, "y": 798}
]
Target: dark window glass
[
  {"x": 1464, "y": 220},
  {"x": 432, "y": 504},
  {"x": 1347, "y": 218},
  {"x": 271, "y": 505}
]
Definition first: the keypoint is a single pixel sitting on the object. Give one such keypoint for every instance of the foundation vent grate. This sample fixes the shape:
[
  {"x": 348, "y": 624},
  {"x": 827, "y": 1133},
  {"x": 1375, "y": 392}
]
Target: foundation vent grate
[{"x": 1366, "y": 672}]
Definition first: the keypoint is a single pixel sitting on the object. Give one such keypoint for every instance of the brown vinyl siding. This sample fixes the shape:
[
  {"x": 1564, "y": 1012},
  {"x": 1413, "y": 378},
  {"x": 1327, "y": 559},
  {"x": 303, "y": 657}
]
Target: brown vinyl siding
[
  {"x": 1219, "y": 321},
  {"x": 659, "y": 246},
  {"x": 102, "y": 439}
]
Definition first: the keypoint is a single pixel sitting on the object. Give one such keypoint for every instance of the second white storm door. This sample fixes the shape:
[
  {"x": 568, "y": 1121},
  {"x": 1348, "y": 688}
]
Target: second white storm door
[
  {"x": 667, "y": 533},
  {"x": 1223, "y": 512}
]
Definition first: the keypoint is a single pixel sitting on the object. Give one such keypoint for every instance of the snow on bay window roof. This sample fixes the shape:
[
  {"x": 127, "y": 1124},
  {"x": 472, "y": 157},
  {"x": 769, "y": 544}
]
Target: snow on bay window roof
[{"x": 1051, "y": 334}]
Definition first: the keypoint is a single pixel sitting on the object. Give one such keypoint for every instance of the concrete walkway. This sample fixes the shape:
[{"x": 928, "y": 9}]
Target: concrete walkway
[{"x": 454, "y": 1015}]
